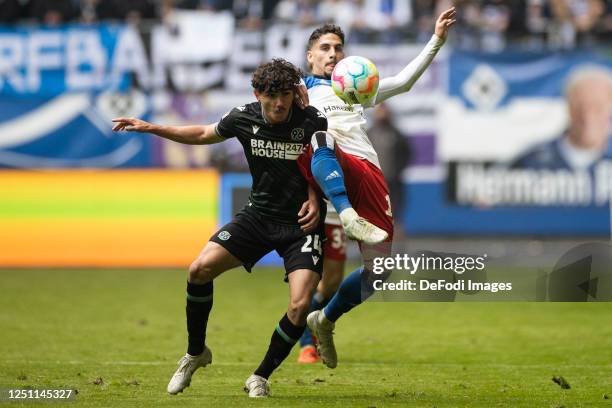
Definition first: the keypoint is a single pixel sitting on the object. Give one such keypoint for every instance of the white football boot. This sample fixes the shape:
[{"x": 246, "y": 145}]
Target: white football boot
[
  {"x": 187, "y": 366},
  {"x": 257, "y": 386},
  {"x": 358, "y": 228},
  {"x": 323, "y": 330}
]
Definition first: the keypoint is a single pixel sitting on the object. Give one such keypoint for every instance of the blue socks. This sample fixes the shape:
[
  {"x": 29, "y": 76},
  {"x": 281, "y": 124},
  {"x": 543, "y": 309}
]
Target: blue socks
[
  {"x": 317, "y": 303},
  {"x": 347, "y": 297},
  {"x": 326, "y": 170}
]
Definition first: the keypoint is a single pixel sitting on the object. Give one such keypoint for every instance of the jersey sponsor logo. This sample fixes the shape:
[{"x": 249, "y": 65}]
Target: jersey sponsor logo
[
  {"x": 297, "y": 134},
  {"x": 315, "y": 259},
  {"x": 333, "y": 108},
  {"x": 321, "y": 114},
  {"x": 255, "y": 129},
  {"x": 241, "y": 108},
  {"x": 224, "y": 235},
  {"x": 275, "y": 149}
]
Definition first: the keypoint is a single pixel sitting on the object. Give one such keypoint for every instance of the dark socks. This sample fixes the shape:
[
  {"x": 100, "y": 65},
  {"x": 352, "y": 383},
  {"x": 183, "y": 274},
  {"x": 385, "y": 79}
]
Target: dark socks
[
  {"x": 283, "y": 338},
  {"x": 199, "y": 303}
]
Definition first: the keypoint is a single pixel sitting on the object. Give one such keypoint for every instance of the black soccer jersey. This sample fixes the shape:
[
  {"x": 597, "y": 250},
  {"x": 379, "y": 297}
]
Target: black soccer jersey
[{"x": 279, "y": 189}]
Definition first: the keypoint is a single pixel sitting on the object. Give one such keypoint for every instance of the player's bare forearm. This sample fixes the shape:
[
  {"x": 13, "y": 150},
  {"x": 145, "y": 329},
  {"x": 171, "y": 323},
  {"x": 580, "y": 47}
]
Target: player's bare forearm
[{"x": 192, "y": 134}]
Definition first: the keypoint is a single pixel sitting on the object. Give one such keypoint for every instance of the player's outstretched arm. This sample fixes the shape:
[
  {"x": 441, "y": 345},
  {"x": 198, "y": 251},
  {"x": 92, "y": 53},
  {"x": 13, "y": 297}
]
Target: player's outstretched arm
[
  {"x": 195, "y": 135},
  {"x": 403, "y": 81}
]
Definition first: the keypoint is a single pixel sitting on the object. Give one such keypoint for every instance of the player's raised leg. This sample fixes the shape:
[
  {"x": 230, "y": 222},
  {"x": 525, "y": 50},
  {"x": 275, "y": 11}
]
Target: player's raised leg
[
  {"x": 328, "y": 174},
  {"x": 212, "y": 261},
  {"x": 289, "y": 329},
  {"x": 357, "y": 286}
]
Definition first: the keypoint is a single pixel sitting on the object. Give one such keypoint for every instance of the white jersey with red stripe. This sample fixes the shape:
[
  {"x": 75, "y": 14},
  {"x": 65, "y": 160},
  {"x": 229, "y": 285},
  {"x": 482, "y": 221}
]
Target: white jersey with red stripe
[{"x": 345, "y": 123}]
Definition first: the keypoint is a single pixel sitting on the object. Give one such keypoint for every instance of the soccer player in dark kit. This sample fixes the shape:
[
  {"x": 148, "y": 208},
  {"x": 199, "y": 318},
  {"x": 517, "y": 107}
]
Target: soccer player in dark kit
[{"x": 283, "y": 214}]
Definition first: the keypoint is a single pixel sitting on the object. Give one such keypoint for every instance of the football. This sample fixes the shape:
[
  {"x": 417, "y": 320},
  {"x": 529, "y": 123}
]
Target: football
[{"x": 355, "y": 80}]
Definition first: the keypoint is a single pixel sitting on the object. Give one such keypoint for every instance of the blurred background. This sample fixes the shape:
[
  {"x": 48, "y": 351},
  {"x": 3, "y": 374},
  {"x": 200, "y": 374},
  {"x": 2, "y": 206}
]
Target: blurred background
[{"x": 478, "y": 156}]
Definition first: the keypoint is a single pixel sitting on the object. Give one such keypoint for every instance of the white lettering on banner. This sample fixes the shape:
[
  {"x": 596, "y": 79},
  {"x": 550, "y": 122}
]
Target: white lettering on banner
[
  {"x": 247, "y": 53},
  {"x": 130, "y": 56},
  {"x": 11, "y": 59},
  {"x": 33, "y": 61},
  {"x": 80, "y": 53},
  {"x": 603, "y": 182},
  {"x": 479, "y": 185},
  {"x": 84, "y": 50},
  {"x": 44, "y": 52}
]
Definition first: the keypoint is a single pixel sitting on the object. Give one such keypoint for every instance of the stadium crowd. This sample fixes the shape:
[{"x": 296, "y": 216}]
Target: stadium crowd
[{"x": 489, "y": 25}]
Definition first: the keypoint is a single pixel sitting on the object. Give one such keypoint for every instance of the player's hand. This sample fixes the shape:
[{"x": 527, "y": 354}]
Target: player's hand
[
  {"x": 309, "y": 215},
  {"x": 132, "y": 125},
  {"x": 445, "y": 21},
  {"x": 301, "y": 96}
]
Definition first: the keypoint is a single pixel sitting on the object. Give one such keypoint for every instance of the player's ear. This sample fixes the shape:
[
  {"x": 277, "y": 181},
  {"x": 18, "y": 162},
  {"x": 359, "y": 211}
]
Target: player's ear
[
  {"x": 309, "y": 57},
  {"x": 257, "y": 95}
]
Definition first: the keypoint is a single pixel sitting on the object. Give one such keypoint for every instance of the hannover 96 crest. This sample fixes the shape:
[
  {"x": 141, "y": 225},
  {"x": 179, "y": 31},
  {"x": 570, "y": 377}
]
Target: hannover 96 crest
[{"x": 297, "y": 134}]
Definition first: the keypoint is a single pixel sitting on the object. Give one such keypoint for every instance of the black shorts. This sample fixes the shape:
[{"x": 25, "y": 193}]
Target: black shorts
[{"x": 249, "y": 237}]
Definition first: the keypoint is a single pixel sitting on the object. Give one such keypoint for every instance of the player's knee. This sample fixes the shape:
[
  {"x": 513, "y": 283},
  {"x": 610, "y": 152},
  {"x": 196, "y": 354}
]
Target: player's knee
[
  {"x": 200, "y": 271},
  {"x": 299, "y": 308},
  {"x": 321, "y": 139}
]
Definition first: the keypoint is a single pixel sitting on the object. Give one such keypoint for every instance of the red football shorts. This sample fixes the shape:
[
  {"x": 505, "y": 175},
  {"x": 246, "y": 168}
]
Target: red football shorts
[{"x": 365, "y": 186}]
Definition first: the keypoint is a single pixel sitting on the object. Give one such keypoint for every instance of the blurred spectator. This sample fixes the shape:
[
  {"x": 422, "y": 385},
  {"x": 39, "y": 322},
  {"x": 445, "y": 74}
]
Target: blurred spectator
[
  {"x": 254, "y": 14},
  {"x": 517, "y": 29},
  {"x": 10, "y": 11},
  {"x": 88, "y": 12},
  {"x": 490, "y": 25},
  {"x": 53, "y": 12},
  {"x": 604, "y": 26},
  {"x": 133, "y": 11},
  {"x": 467, "y": 29},
  {"x": 303, "y": 12},
  {"x": 341, "y": 12},
  {"x": 574, "y": 20},
  {"x": 228, "y": 157},
  {"x": 382, "y": 21},
  {"x": 424, "y": 16},
  {"x": 494, "y": 22},
  {"x": 393, "y": 154},
  {"x": 536, "y": 24},
  {"x": 215, "y": 5}
]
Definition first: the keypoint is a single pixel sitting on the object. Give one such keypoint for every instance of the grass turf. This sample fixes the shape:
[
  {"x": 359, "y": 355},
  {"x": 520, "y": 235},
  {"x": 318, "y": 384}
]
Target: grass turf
[{"x": 115, "y": 336}]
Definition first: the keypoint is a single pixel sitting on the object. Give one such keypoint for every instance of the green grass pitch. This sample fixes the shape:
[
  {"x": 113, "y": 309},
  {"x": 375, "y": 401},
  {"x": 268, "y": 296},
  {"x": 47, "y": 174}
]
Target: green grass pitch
[{"x": 115, "y": 336}]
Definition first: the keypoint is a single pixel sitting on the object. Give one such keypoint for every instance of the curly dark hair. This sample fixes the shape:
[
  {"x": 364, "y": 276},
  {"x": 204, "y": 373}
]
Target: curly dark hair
[
  {"x": 325, "y": 29},
  {"x": 276, "y": 75}
]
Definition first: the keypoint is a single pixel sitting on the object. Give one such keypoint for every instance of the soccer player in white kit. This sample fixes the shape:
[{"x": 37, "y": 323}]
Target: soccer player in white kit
[{"x": 347, "y": 140}]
